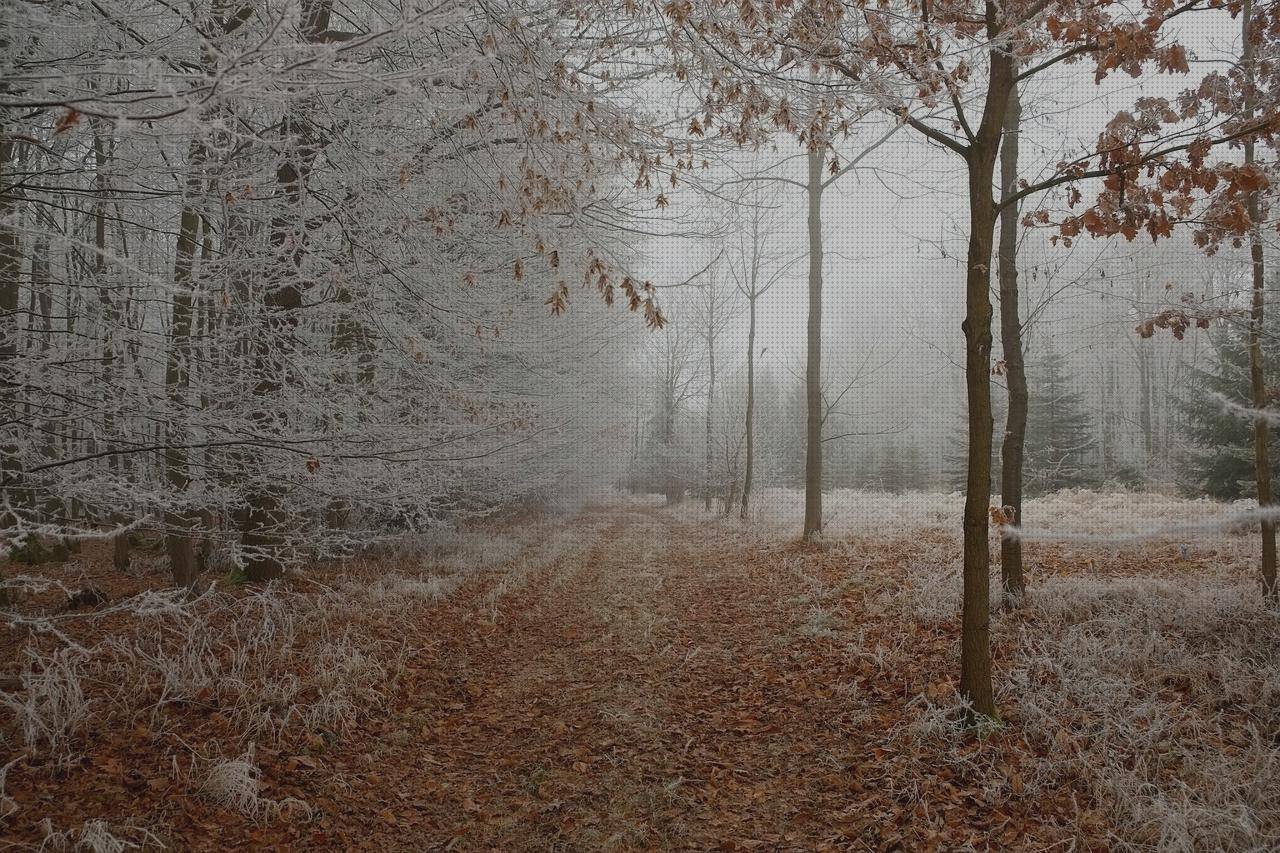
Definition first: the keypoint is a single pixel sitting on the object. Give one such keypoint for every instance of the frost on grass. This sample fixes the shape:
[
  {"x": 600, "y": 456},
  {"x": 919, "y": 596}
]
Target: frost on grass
[
  {"x": 1158, "y": 698},
  {"x": 97, "y": 836},
  {"x": 862, "y": 512},
  {"x": 1166, "y": 696},
  {"x": 236, "y": 784},
  {"x": 51, "y": 709},
  {"x": 7, "y": 804},
  {"x": 269, "y": 661}
]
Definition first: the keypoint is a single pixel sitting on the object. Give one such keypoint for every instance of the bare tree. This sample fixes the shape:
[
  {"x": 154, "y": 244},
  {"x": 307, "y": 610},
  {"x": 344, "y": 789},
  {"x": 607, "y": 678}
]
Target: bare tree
[
  {"x": 750, "y": 277},
  {"x": 813, "y": 351},
  {"x": 1012, "y": 576},
  {"x": 816, "y": 182},
  {"x": 1257, "y": 378},
  {"x": 714, "y": 313},
  {"x": 676, "y": 380},
  {"x": 10, "y": 271}
]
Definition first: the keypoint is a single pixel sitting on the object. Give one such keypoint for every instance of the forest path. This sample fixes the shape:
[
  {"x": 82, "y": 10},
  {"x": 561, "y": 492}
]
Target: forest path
[{"x": 662, "y": 685}]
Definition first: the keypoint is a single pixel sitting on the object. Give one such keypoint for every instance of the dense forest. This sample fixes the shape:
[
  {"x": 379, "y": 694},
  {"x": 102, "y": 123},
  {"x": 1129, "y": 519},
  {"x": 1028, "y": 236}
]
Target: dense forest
[{"x": 592, "y": 425}]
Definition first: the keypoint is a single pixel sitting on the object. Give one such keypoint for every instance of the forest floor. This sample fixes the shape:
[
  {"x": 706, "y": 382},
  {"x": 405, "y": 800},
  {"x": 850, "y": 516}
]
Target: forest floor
[{"x": 648, "y": 682}]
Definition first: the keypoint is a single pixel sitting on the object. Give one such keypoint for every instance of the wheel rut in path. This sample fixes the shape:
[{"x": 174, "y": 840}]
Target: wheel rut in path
[{"x": 651, "y": 689}]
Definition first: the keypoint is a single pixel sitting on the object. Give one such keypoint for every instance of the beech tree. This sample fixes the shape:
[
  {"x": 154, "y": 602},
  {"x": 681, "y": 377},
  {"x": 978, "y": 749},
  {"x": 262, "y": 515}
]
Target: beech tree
[
  {"x": 754, "y": 273},
  {"x": 965, "y": 58},
  {"x": 1013, "y": 365},
  {"x": 288, "y": 259},
  {"x": 818, "y": 179},
  {"x": 714, "y": 314},
  {"x": 1155, "y": 185}
]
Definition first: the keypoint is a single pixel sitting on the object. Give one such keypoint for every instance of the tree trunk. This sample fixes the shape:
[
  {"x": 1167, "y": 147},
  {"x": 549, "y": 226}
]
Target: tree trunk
[
  {"x": 813, "y": 369},
  {"x": 1257, "y": 377},
  {"x": 672, "y": 487},
  {"x": 282, "y": 301},
  {"x": 1142, "y": 355},
  {"x": 10, "y": 274},
  {"x": 42, "y": 284},
  {"x": 975, "y": 641},
  {"x": 182, "y": 563},
  {"x": 351, "y": 341},
  {"x": 1109, "y": 404},
  {"x": 751, "y": 406},
  {"x": 711, "y": 398},
  {"x": 1012, "y": 577},
  {"x": 109, "y": 315}
]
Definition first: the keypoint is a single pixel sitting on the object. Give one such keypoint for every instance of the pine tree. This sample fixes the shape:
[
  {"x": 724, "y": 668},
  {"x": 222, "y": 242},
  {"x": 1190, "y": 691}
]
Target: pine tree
[
  {"x": 889, "y": 472},
  {"x": 899, "y": 469},
  {"x": 1220, "y": 461},
  {"x": 1059, "y": 430}
]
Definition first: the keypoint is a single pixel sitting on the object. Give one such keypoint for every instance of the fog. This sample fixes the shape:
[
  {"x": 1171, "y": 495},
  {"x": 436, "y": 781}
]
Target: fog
[{"x": 597, "y": 425}]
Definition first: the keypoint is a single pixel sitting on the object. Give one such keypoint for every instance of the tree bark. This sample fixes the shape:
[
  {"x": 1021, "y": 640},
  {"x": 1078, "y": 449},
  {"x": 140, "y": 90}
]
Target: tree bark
[
  {"x": 1012, "y": 576},
  {"x": 813, "y": 368},
  {"x": 10, "y": 274},
  {"x": 1257, "y": 377},
  {"x": 282, "y": 302},
  {"x": 975, "y": 641},
  {"x": 751, "y": 404},
  {"x": 711, "y": 397},
  {"x": 182, "y": 562}
]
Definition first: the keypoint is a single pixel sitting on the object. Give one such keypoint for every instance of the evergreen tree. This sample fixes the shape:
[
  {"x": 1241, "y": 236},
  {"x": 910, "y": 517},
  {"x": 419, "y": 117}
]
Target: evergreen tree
[
  {"x": 889, "y": 473},
  {"x": 1220, "y": 460},
  {"x": 899, "y": 467},
  {"x": 1059, "y": 430}
]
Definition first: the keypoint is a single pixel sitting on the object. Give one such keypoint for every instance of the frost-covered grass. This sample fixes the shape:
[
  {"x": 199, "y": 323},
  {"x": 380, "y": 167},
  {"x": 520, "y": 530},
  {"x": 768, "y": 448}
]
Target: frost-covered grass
[
  {"x": 97, "y": 836},
  {"x": 1152, "y": 693},
  {"x": 1143, "y": 675},
  {"x": 309, "y": 657},
  {"x": 267, "y": 660},
  {"x": 236, "y": 784},
  {"x": 856, "y": 512},
  {"x": 1165, "y": 695},
  {"x": 1156, "y": 697}
]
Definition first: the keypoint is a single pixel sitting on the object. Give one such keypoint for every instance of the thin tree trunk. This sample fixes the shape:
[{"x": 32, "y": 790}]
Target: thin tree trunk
[
  {"x": 975, "y": 641},
  {"x": 10, "y": 274},
  {"x": 42, "y": 283},
  {"x": 751, "y": 405},
  {"x": 731, "y": 489},
  {"x": 120, "y": 557},
  {"x": 813, "y": 369},
  {"x": 282, "y": 303},
  {"x": 350, "y": 339},
  {"x": 1109, "y": 404},
  {"x": 1012, "y": 577},
  {"x": 672, "y": 487},
  {"x": 1257, "y": 377},
  {"x": 711, "y": 397},
  {"x": 182, "y": 563},
  {"x": 1142, "y": 354}
]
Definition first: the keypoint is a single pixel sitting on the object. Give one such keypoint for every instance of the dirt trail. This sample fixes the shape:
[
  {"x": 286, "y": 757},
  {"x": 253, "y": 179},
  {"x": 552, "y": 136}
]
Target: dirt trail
[
  {"x": 656, "y": 690},
  {"x": 635, "y": 681}
]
